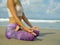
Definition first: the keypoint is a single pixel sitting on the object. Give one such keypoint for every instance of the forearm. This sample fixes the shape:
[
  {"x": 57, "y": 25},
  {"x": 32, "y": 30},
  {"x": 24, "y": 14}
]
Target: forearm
[
  {"x": 26, "y": 20},
  {"x": 28, "y": 23}
]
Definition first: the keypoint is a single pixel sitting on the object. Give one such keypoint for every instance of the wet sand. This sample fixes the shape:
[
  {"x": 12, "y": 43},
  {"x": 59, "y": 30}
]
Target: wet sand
[{"x": 49, "y": 37}]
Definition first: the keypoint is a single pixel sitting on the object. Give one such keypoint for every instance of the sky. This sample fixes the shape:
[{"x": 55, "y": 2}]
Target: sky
[{"x": 42, "y": 9}]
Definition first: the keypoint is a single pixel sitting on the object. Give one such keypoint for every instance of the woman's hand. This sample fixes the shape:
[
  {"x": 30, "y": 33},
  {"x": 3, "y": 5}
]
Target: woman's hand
[
  {"x": 17, "y": 28},
  {"x": 30, "y": 31},
  {"x": 35, "y": 28}
]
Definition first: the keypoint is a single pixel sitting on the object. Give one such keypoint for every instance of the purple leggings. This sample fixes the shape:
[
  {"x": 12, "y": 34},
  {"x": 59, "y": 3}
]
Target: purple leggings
[{"x": 20, "y": 35}]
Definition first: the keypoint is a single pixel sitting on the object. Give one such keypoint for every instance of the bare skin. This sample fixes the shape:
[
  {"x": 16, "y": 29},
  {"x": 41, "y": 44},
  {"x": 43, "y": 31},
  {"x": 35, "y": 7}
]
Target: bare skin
[{"x": 16, "y": 19}]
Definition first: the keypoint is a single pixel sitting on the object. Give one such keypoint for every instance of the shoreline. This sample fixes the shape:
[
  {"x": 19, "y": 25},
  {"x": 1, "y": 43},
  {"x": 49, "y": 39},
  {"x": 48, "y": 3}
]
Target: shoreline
[{"x": 40, "y": 28}]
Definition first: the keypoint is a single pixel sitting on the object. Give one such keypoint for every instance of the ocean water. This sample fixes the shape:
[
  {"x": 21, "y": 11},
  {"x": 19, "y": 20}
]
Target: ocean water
[{"x": 46, "y": 25}]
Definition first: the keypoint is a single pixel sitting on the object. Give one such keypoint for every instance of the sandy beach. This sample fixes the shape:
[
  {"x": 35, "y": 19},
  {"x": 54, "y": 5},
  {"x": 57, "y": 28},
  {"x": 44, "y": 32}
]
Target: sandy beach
[{"x": 49, "y": 37}]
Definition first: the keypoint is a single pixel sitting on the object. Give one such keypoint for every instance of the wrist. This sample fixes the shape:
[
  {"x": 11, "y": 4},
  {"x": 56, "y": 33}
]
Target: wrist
[{"x": 26, "y": 29}]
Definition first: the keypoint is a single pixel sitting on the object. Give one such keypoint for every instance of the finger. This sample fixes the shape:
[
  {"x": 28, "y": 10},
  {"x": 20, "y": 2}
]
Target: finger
[{"x": 34, "y": 34}]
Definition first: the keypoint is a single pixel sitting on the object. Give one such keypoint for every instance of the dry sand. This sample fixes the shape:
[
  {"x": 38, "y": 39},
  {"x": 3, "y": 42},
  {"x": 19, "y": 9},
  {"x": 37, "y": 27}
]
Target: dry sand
[{"x": 49, "y": 37}]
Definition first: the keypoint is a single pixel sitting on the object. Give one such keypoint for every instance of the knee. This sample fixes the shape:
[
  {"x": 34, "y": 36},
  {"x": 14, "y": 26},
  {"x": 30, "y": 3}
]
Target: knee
[
  {"x": 7, "y": 36},
  {"x": 37, "y": 32},
  {"x": 31, "y": 37}
]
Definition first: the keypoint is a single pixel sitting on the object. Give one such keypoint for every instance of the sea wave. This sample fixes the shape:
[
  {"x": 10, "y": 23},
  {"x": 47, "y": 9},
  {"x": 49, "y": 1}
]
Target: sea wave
[{"x": 37, "y": 21}]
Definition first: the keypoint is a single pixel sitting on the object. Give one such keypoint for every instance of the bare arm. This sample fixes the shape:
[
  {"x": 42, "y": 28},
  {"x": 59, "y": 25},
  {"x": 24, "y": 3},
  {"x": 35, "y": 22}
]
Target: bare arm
[
  {"x": 14, "y": 14},
  {"x": 26, "y": 20},
  {"x": 24, "y": 17}
]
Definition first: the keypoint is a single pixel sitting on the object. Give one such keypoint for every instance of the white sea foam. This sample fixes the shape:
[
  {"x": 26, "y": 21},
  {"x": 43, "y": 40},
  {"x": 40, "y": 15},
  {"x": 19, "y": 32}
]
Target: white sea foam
[
  {"x": 2, "y": 19},
  {"x": 37, "y": 21}
]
